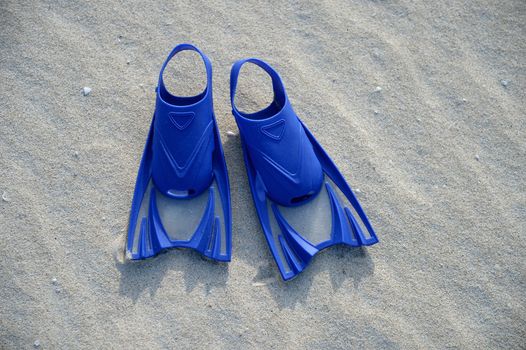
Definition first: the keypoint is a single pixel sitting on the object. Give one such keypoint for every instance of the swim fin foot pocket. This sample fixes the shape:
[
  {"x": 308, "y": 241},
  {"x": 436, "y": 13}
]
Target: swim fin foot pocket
[
  {"x": 182, "y": 193},
  {"x": 303, "y": 202}
]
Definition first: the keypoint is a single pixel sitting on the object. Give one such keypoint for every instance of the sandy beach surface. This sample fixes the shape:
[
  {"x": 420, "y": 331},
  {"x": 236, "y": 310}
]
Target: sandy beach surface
[{"x": 420, "y": 103}]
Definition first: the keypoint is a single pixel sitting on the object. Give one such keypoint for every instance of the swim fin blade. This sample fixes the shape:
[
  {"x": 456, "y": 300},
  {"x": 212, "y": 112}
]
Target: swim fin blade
[
  {"x": 303, "y": 202},
  {"x": 182, "y": 193}
]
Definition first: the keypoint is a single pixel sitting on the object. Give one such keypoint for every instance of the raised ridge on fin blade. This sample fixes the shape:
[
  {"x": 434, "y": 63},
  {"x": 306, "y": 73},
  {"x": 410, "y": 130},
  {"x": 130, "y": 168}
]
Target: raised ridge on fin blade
[
  {"x": 143, "y": 251},
  {"x": 200, "y": 238},
  {"x": 301, "y": 251},
  {"x": 214, "y": 249},
  {"x": 340, "y": 226},
  {"x": 295, "y": 266},
  {"x": 358, "y": 233}
]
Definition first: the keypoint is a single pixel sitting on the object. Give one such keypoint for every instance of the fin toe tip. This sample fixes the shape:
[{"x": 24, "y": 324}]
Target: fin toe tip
[
  {"x": 289, "y": 276},
  {"x": 370, "y": 241},
  {"x": 220, "y": 259}
]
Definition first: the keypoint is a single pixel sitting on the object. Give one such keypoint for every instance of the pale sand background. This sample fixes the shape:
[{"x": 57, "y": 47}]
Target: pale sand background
[{"x": 450, "y": 269}]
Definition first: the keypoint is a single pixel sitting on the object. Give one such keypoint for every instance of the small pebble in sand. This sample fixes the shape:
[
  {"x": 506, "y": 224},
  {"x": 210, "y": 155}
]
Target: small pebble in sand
[
  {"x": 5, "y": 198},
  {"x": 36, "y": 344},
  {"x": 54, "y": 281},
  {"x": 86, "y": 90},
  {"x": 263, "y": 282},
  {"x": 58, "y": 290},
  {"x": 504, "y": 82},
  {"x": 231, "y": 133},
  {"x": 418, "y": 120},
  {"x": 357, "y": 190},
  {"x": 76, "y": 154},
  {"x": 127, "y": 61},
  {"x": 378, "y": 89},
  {"x": 464, "y": 100},
  {"x": 376, "y": 112},
  {"x": 477, "y": 157},
  {"x": 259, "y": 284}
]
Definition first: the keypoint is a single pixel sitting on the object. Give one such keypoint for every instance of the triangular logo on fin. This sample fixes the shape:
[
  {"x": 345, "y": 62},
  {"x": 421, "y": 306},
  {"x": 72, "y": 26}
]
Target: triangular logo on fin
[
  {"x": 274, "y": 130},
  {"x": 181, "y": 120}
]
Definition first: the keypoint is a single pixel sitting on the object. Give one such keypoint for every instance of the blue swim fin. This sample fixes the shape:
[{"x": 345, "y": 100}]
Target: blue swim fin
[
  {"x": 182, "y": 193},
  {"x": 294, "y": 183}
]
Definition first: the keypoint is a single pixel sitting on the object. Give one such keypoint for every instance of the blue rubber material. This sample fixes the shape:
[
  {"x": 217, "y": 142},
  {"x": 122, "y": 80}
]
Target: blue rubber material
[
  {"x": 183, "y": 155},
  {"x": 286, "y": 165}
]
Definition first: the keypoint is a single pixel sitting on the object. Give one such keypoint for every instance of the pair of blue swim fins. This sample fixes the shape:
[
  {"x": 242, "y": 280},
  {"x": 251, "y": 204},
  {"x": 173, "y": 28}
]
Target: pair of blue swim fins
[{"x": 182, "y": 194}]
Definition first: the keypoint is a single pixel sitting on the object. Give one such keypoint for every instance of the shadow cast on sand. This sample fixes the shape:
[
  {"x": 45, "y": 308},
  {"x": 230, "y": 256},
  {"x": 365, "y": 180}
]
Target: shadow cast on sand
[
  {"x": 136, "y": 277},
  {"x": 341, "y": 262}
]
